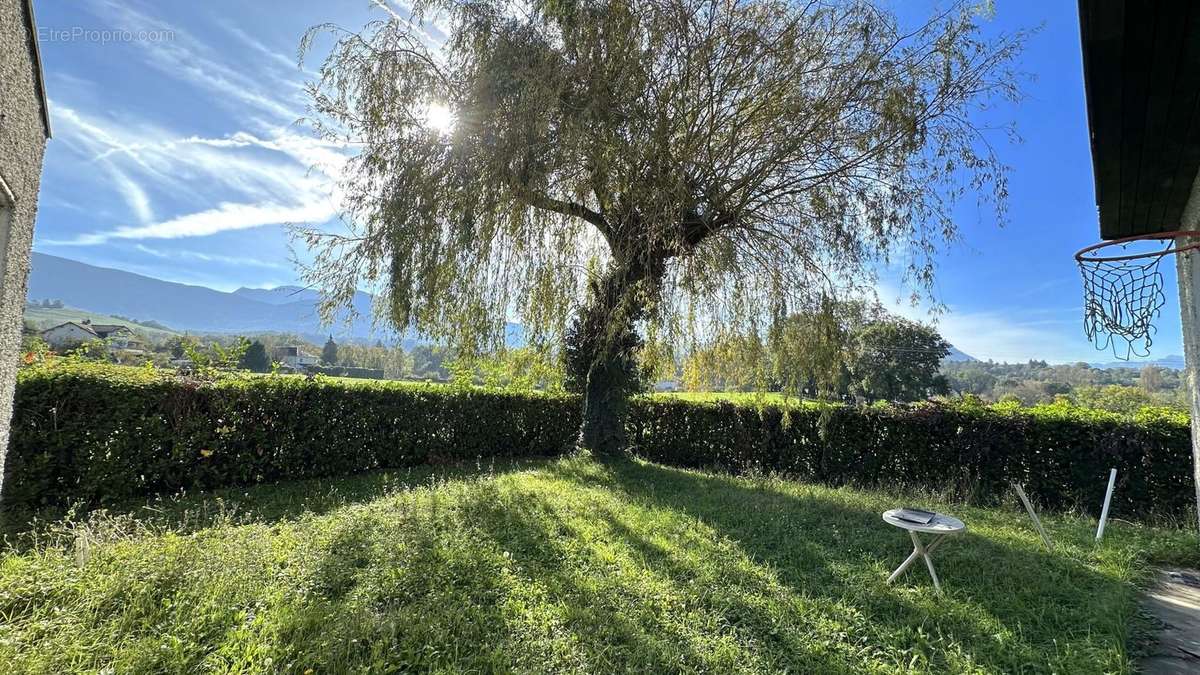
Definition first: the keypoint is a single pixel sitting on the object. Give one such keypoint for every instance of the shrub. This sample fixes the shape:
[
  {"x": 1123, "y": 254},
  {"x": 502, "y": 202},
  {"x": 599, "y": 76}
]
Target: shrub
[
  {"x": 97, "y": 433},
  {"x": 1061, "y": 454}
]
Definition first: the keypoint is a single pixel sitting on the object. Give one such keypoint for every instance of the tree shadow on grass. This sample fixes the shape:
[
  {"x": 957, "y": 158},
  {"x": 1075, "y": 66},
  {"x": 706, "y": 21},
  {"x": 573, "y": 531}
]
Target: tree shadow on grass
[
  {"x": 626, "y": 566},
  {"x": 1011, "y": 607},
  {"x": 526, "y": 578},
  {"x": 630, "y": 566}
]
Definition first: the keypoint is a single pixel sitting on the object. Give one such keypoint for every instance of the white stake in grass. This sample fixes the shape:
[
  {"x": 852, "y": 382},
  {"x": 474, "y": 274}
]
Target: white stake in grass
[
  {"x": 1112, "y": 480},
  {"x": 1032, "y": 514}
]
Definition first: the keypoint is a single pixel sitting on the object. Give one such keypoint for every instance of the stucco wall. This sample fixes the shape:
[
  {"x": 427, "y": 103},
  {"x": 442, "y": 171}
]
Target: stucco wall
[{"x": 22, "y": 145}]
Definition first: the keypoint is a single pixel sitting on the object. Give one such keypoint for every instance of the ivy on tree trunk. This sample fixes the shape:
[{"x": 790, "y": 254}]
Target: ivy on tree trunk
[{"x": 602, "y": 350}]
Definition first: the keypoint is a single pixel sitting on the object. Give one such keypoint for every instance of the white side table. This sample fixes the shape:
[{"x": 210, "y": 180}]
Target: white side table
[{"x": 942, "y": 526}]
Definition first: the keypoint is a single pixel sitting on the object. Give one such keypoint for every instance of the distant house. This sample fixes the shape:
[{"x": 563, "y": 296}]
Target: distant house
[
  {"x": 69, "y": 334},
  {"x": 293, "y": 357},
  {"x": 74, "y": 333},
  {"x": 118, "y": 337}
]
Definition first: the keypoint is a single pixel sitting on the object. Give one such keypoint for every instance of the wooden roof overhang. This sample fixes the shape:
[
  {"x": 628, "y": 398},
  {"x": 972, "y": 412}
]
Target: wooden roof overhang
[{"x": 1141, "y": 64}]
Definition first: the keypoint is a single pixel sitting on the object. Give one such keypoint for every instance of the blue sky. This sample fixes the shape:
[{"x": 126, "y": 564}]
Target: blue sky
[{"x": 175, "y": 155}]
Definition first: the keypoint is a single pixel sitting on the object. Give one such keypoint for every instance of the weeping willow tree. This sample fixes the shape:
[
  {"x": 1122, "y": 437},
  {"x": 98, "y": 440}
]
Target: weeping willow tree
[{"x": 603, "y": 171}]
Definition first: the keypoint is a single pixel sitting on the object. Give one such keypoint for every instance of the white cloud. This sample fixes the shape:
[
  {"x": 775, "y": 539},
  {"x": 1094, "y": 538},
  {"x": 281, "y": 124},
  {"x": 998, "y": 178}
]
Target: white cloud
[
  {"x": 281, "y": 177},
  {"x": 1007, "y": 337},
  {"x": 199, "y": 66},
  {"x": 1015, "y": 334},
  {"x": 169, "y": 158},
  {"x": 240, "y": 261},
  {"x": 135, "y": 196},
  {"x": 281, "y": 62},
  {"x": 226, "y": 217}
]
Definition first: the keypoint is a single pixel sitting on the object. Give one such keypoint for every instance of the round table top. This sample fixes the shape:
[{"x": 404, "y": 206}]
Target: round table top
[{"x": 941, "y": 523}]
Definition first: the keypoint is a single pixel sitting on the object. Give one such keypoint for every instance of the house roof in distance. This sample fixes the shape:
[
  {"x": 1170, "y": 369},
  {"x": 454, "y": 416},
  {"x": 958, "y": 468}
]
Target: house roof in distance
[
  {"x": 106, "y": 328},
  {"x": 80, "y": 325},
  {"x": 1141, "y": 64},
  {"x": 100, "y": 330}
]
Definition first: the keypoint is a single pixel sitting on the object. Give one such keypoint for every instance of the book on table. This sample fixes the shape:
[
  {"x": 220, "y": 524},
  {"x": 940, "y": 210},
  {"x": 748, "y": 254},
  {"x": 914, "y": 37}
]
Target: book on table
[{"x": 915, "y": 515}]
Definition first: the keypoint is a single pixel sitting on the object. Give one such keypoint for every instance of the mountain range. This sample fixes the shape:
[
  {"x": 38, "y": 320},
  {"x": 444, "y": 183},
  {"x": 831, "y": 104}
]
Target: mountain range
[{"x": 288, "y": 309}]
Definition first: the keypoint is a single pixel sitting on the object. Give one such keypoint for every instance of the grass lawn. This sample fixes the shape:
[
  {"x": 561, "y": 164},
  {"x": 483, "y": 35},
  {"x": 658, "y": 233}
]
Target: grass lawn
[{"x": 564, "y": 566}]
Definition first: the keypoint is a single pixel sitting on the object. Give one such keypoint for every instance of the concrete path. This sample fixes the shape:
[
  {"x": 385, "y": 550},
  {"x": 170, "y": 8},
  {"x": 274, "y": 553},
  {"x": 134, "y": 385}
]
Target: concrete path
[{"x": 1174, "y": 602}]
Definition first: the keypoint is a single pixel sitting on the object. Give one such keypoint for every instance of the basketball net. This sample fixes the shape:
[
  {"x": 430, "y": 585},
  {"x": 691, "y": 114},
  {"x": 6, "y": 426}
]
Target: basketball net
[{"x": 1123, "y": 290}]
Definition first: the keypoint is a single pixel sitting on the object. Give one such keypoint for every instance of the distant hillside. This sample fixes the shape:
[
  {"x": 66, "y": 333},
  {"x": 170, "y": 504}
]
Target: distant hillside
[
  {"x": 196, "y": 309},
  {"x": 956, "y": 355},
  {"x": 44, "y": 318},
  {"x": 186, "y": 307}
]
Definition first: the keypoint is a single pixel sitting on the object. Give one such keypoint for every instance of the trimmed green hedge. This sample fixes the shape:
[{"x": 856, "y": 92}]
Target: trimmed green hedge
[
  {"x": 1060, "y": 454},
  {"x": 98, "y": 434}
]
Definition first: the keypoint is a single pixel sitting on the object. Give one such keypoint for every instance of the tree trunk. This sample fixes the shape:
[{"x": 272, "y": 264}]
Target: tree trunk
[
  {"x": 605, "y": 409},
  {"x": 609, "y": 345}
]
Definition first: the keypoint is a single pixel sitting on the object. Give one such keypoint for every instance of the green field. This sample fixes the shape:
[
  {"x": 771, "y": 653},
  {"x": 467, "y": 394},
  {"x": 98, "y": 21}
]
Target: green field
[
  {"x": 44, "y": 318},
  {"x": 560, "y": 566}
]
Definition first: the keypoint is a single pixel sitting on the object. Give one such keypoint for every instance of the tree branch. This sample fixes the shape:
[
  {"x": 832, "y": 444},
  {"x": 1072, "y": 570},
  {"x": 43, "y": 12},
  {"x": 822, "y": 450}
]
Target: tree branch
[{"x": 541, "y": 201}]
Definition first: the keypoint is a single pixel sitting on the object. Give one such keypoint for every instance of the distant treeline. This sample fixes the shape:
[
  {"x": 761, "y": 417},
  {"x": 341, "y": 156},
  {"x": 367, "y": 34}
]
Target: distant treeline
[
  {"x": 1034, "y": 382},
  {"x": 257, "y": 352}
]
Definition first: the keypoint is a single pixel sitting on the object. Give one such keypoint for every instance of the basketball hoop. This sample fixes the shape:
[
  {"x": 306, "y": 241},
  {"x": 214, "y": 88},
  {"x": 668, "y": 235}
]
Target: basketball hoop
[{"x": 1123, "y": 289}]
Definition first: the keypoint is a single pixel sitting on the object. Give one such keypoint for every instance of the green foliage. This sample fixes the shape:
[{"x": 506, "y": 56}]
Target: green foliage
[
  {"x": 1114, "y": 398},
  {"x": 255, "y": 358},
  {"x": 92, "y": 350},
  {"x": 429, "y": 362},
  {"x": 1113, "y": 389},
  {"x": 731, "y": 362},
  {"x": 811, "y": 351},
  {"x": 1060, "y": 453},
  {"x": 348, "y": 371},
  {"x": 34, "y": 350},
  {"x": 566, "y": 566},
  {"x": 178, "y": 347},
  {"x": 898, "y": 360},
  {"x": 214, "y": 358},
  {"x": 521, "y": 369},
  {"x": 329, "y": 353},
  {"x": 98, "y": 433},
  {"x": 1153, "y": 378},
  {"x": 832, "y": 351},
  {"x": 391, "y": 361}
]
